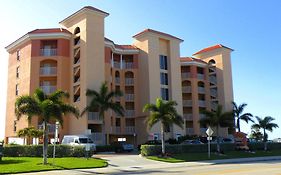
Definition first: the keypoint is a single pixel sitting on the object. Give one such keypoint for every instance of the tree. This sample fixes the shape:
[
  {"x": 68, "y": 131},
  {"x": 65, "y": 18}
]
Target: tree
[
  {"x": 256, "y": 134},
  {"x": 266, "y": 125},
  {"x": 217, "y": 119},
  {"x": 28, "y": 133},
  {"x": 238, "y": 114},
  {"x": 46, "y": 107},
  {"x": 102, "y": 100},
  {"x": 165, "y": 113}
]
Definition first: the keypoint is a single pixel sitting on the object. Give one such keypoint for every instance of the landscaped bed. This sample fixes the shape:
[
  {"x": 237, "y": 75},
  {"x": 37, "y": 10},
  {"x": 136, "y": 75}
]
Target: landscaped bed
[
  {"x": 187, "y": 157},
  {"x": 30, "y": 164}
]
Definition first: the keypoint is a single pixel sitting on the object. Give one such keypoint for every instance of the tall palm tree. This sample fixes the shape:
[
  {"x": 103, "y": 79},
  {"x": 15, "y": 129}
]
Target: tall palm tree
[
  {"x": 217, "y": 119},
  {"x": 46, "y": 107},
  {"x": 238, "y": 114},
  {"x": 102, "y": 100},
  {"x": 265, "y": 124},
  {"x": 164, "y": 112}
]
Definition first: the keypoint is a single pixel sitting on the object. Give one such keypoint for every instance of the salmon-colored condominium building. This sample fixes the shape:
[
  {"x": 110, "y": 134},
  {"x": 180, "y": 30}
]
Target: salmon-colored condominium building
[{"x": 78, "y": 57}]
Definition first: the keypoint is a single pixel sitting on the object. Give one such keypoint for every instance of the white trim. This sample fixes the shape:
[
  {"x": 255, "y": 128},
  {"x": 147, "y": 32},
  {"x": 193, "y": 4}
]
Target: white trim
[
  {"x": 194, "y": 63},
  {"x": 28, "y": 37},
  {"x": 120, "y": 51}
]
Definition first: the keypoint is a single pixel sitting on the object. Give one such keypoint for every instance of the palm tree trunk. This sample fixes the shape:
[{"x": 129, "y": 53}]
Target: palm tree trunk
[
  {"x": 238, "y": 124},
  {"x": 162, "y": 139},
  {"x": 218, "y": 140},
  {"x": 264, "y": 140},
  {"x": 45, "y": 143}
]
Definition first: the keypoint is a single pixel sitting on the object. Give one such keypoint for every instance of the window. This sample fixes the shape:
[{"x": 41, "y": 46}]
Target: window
[
  {"x": 165, "y": 93},
  {"x": 163, "y": 62},
  {"x": 164, "y": 78},
  {"x": 18, "y": 72},
  {"x": 15, "y": 126},
  {"x": 18, "y": 55},
  {"x": 17, "y": 89}
]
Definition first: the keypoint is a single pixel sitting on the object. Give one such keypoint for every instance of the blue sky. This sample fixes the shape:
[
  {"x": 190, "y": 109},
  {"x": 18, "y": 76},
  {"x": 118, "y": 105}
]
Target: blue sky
[{"x": 252, "y": 28}]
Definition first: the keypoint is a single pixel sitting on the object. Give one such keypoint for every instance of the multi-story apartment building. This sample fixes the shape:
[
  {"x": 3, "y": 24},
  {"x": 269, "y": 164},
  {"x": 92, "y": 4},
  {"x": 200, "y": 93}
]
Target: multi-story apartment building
[{"x": 78, "y": 57}]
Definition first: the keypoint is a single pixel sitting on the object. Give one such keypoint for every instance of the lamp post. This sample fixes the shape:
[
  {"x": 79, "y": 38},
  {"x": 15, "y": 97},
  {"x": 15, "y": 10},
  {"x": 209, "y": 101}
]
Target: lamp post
[
  {"x": 209, "y": 133},
  {"x": 55, "y": 140}
]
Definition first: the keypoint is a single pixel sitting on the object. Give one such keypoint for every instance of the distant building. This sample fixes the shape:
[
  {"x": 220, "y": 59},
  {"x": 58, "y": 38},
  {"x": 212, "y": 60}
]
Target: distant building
[{"x": 79, "y": 57}]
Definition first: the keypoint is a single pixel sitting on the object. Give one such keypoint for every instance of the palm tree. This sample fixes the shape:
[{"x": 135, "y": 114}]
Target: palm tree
[
  {"x": 29, "y": 133},
  {"x": 238, "y": 114},
  {"x": 217, "y": 119},
  {"x": 46, "y": 107},
  {"x": 102, "y": 101},
  {"x": 265, "y": 124},
  {"x": 23, "y": 133},
  {"x": 256, "y": 134},
  {"x": 164, "y": 112}
]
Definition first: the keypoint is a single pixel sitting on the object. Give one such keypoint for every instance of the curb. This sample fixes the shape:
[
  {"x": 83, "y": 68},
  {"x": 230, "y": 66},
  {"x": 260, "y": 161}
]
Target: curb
[{"x": 243, "y": 160}]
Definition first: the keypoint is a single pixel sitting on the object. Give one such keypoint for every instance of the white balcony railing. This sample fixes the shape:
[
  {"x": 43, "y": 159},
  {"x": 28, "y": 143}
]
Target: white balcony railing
[
  {"x": 129, "y": 97},
  {"x": 48, "y": 52},
  {"x": 48, "y": 70},
  {"x": 117, "y": 129},
  {"x": 129, "y": 113},
  {"x": 213, "y": 92},
  {"x": 202, "y": 103},
  {"x": 129, "y": 81},
  {"x": 128, "y": 65},
  {"x": 116, "y": 65},
  {"x": 188, "y": 117},
  {"x": 94, "y": 116},
  {"x": 189, "y": 131},
  {"x": 48, "y": 89},
  {"x": 185, "y": 75},
  {"x": 187, "y": 102},
  {"x": 130, "y": 129},
  {"x": 213, "y": 79},
  {"x": 200, "y": 76},
  {"x": 186, "y": 89},
  {"x": 201, "y": 90}
]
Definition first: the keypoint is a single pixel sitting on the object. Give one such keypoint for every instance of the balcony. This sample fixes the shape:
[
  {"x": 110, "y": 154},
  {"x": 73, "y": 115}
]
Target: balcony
[
  {"x": 129, "y": 81},
  {"x": 96, "y": 136},
  {"x": 213, "y": 92},
  {"x": 189, "y": 131},
  {"x": 48, "y": 52},
  {"x": 200, "y": 76},
  {"x": 202, "y": 103},
  {"x": 214, "y": 106},
  {"x": 117, "y": 80},
  {"x": 116, "y": 65},
  {"x": 129, "y": 113},
  {"x": 48, "y": 70},
  {"x": 116, "y": 130},
  {"x": 188, "y": 117},
  {"x": 201, "y": 90},
  {"x": 186, "y": 89},
  {"x": 94, "y": 116},
  {"x": 51, "y": 128},
  {"x": 130, "y": 130},
  {"x": 129, "y": 97},
  {"x": 48, "y": 89},
  {"x": 213, "y": 79},
  {"x": 128, "y": 65},
  {"x": 185, "y": 75},
  {"x": 187, "y": 103}
]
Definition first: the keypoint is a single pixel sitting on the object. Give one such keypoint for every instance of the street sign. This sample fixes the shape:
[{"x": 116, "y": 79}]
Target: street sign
[
  {"x": 209, "y": 138},
  {"x": 209, "y": 131}
]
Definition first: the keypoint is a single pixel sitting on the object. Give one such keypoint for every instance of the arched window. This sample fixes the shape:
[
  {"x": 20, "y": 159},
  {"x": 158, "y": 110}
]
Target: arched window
[
  {"x": 129, "y": 74},
  {"x": 201, "y": 84},
  {"x": 77, "y": 30},
  {"x": 186, "y": 83},
  {"x": 212, "y": 62}
]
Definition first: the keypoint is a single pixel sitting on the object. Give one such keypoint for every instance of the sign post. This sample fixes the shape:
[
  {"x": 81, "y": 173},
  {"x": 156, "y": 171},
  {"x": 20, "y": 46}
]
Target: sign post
[
  {"x": 55, "y": 141},
  {"x": 209, "y": 133}
]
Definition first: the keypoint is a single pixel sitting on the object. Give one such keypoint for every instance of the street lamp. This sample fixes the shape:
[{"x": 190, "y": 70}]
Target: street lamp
[{"x": 55, "y": 140}]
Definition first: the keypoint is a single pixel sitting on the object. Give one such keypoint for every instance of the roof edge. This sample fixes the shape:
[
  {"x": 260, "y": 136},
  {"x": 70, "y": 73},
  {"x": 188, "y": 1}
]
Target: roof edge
[{"x": 157, "y": 32}]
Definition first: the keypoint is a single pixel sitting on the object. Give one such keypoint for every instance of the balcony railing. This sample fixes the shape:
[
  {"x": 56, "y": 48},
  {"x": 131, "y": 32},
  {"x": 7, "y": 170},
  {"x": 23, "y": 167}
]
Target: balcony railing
[
  {"x": 48, "y": 52},
  {"x": 186, "y": 89},
  {"x": 116, "y": 65},
  {"x": 94, "y": 116},
  {"x": 128, "y": 65},
  {"x": 48, "y": 89},
  {"x": 129, "y": 81},
  {"x": 96, "y": 136},
  {"x": 51, "y": 128},
  {"x": 129, "y": 97},
  {"x": 202, "y": 103},
  {"x": 117, "y": 129},
  {"x": 201, "y": 90},
  {"x": 188, "y": 117},
  {"x": 213, "y": 79},
  {"x": 213, "y": 93},
  {"x": 200, "y": 76},
  {"x": 185, "y": 75},
  {"x": 117, "y": 80},
  {"x": 187, "y": 102},
  {"x": 129, "y": 113},
  {"x": 189, "y": 131},
  {"x": 130, "y": 129},
  {"x": 214, "y": 106},
  {"x": 48, "y": 70}
]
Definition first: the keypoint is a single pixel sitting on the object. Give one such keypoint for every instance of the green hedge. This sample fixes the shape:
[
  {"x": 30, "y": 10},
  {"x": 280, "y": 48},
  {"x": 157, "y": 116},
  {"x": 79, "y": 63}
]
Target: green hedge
[{"x": 148, "y": 150}]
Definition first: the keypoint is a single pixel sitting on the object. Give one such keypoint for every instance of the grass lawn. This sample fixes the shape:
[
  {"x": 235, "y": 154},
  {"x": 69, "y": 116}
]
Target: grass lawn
[
  {"x": 187, "y": 157},
  {"x": 31, "y": 164}
]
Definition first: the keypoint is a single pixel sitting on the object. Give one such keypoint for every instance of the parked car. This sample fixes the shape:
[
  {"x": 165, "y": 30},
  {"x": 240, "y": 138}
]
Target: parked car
[
  {"x": 122, "y": 146},
  {"x": 78, "y": 140},
  {"x": 192, "y": 142}
]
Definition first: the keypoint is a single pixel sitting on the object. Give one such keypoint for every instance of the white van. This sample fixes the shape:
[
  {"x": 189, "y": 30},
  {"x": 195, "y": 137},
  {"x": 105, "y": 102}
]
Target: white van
[{"x": 81, "y": 140}]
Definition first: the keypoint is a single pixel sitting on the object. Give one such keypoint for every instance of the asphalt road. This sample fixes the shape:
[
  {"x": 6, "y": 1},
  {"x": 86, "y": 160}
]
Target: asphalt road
[{"x": 134, "y": 164}]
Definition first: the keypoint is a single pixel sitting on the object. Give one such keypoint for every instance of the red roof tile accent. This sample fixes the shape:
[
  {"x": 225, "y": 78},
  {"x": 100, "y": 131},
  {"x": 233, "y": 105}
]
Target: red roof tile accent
[
  {"x": 126, "y": 47},
  {"x": 212, "y": 48},
  {"x": 189, "y": 59},
  {"x": 157, "y": 32},
  {"x": 51, "y": 30}
]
